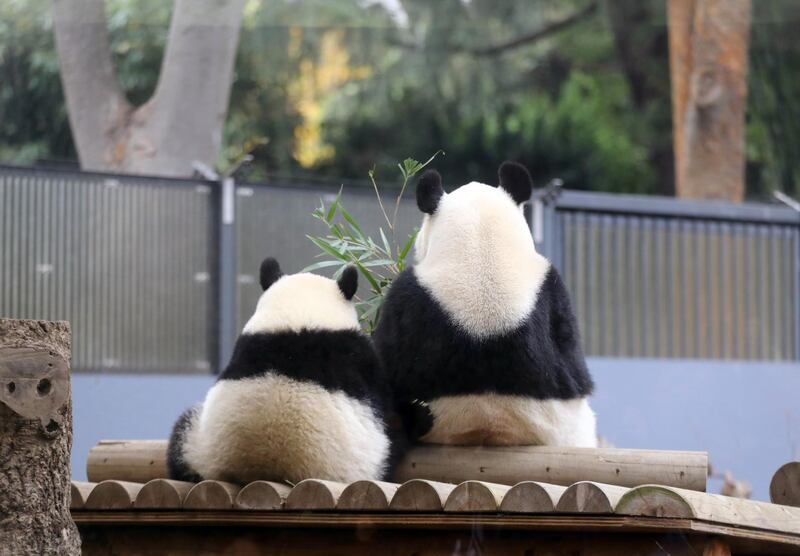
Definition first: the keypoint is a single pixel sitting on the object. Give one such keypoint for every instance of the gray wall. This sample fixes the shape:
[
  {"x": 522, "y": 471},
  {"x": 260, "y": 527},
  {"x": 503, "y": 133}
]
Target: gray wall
[{"x": 746, "y": 415}]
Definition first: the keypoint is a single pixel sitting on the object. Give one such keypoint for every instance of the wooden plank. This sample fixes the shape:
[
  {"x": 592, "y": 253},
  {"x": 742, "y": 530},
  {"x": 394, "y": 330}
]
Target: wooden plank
[
  {"x": 785, "y": 485},
  {"x": 143, "y": 460},
  {"x": 555, "y": 465},
  {"x": 113, "y": 495},
  {"x": 314, "y": 494},
  {"x": 591, "y": 498},
  {"x": 661, "y": 501},
  {"x": 211, "y": 495},
  {"x": 162, "y": 494},
  {"x": 262, "y": 495},
  {"x": 367, "y": 495},
  {"x": 578, "y": 524},
  {"x": 419, "y": 495},
  {"x": 476, "y": 496},
  {"x": 79, "y": 492},
  {"x": 532, "y": 497},
  {"x": 127, "y": 460}
]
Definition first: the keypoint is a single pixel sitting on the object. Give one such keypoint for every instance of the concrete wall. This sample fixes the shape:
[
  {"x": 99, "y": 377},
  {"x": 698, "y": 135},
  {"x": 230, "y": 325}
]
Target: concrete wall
[{"x": 746, "y": 415}]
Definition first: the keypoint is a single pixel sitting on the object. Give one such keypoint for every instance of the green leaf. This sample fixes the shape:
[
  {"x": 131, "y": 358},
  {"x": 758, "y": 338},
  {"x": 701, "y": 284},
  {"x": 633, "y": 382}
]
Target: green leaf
[
  {"x": 321, "y": 243},
  {"x": 321, "y": 264},
  {"x": 407, "y": 247},
  {"x": 350, "y": 220},
  {"x": 385, "y": 242},
  {"x": 368, "y": 275}
]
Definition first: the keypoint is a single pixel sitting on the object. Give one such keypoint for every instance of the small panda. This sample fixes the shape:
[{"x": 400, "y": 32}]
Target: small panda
[
  {"x": 303, "y": 395},
  {"x": 481, "y": 329}
]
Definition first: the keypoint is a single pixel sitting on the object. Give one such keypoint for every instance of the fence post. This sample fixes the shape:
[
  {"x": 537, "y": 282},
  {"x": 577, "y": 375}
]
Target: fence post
[{"x": 226, "y": 258}]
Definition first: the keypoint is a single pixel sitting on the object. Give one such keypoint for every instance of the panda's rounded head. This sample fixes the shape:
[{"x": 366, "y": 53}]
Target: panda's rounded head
[
  {"x": 295, "y": 302},
  {"x": 475, "y": 252}
]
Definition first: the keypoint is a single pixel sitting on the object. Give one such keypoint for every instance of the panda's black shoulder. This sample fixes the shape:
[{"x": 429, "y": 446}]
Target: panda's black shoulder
[{"x": 337, "y": 360}]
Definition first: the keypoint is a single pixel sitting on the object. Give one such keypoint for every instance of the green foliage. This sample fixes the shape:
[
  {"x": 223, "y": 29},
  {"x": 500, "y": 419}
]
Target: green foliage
[{"x": 346, "y": 243}]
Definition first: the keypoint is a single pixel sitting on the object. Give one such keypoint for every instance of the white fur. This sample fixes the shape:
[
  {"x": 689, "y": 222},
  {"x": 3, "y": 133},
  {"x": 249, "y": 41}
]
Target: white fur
[
  {"x": 302, "y": 301},
  {"x": 502, "y": 420},
  {"x": 273, "y": 427},
  {"x": 476, "y": 256}
]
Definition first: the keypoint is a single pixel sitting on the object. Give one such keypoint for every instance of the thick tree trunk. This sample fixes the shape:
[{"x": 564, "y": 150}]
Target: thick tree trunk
[
  {"x": 35, "y": 439},
  {"x": 184, "y": 119},
  {"x": 708, "y": 63}
]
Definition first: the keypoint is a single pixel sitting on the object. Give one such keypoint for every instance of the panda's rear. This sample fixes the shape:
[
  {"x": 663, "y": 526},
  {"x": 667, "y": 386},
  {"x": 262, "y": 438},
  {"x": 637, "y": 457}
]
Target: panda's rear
[
  {"x": 480, "y": 329},
  {"x": 302, "y": 396}
]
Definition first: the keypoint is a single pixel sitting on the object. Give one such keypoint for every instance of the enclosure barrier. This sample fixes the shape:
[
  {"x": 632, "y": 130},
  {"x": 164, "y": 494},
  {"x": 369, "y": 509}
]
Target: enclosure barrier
[{"x": 159, "y": 274}]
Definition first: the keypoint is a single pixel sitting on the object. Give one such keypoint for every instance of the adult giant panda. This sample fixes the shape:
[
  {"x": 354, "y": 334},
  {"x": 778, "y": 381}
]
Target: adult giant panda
[
  {"x": 303, "y": 395},
  {"x": 480, "y": 329}
]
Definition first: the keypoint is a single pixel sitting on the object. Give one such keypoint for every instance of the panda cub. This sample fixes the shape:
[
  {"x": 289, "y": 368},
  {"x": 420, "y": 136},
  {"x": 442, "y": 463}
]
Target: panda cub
[
  {"x": 300, "y": 397},
  {"x": 481, "y": 329}
]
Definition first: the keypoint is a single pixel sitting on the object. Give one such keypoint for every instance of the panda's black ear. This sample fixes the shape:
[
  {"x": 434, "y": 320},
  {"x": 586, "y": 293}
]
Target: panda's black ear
[
  {"x": 270, "y": 273},
  {"x": 348, "y": 282},
  {"x": 429, "y": 191},
  {"x": 516, "y": 179}
]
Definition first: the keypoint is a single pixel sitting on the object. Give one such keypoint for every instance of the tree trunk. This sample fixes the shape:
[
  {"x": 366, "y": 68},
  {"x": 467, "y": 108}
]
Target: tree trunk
[
  {"x": 183, "y": 120},
  {"x": 708, "y": 42},
  {"x": 35, "y": 439}
]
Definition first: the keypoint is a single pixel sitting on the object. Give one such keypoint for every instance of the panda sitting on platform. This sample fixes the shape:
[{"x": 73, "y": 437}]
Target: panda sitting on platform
[
  {"x": 301, "y": 397},
  {"x": 480, "y": 330}
]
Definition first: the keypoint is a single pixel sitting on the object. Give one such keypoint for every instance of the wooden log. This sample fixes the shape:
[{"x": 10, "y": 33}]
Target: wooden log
[
  {"x": 785, "y": 485},
  {"x": 555, "y": 465},
  {"x": 367, "y": 495},
  {"x": 314, "y": 494},
  {"x": 262, "y": 495},
  {"x": 211, "y": 495},
  {"x": 590, "y": 498},
  {"x": 143, "y": 460},
  {"x": 661, "y": 501},
  {"x": 531, "y": 498},
  {"x": 137, "y": 461},
  {"x": 113, "y": 495},
  {"x": 79, "y": 492},
  {"x": 476, "y": 496},
  {"x": 162, "y": 494},
  {"x": 35, "y": 438},
  {"x": 419, "y": 495}
]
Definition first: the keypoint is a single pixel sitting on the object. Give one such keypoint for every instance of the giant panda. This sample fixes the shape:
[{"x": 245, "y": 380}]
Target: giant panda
[
  {"x": 480, "y": 330},
  {"x": 303, "y": 395}
]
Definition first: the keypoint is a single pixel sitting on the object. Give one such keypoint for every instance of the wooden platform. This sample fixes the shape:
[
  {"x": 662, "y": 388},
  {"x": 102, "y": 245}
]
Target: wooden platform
[{"x": 423, "y": 517}]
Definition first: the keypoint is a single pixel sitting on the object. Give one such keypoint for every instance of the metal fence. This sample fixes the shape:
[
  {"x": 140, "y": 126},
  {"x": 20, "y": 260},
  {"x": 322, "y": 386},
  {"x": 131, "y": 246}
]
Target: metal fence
[
  {"x": 159, "y": 274},
  {"x": 655, "y": 277}
]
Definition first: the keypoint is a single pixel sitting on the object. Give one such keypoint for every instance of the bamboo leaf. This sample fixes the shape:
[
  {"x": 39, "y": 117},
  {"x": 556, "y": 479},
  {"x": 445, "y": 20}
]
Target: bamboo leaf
[
  {"x": 327, "y": 248},
  {"x": 321, "y": 264}
]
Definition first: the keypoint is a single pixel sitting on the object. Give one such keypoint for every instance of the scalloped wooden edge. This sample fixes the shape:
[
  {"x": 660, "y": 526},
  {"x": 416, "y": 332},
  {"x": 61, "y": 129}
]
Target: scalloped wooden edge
[
  {"x": 79, "y": 492},
  {"x": 476, "y": 496},
  {"x": 784, "y": 488}
]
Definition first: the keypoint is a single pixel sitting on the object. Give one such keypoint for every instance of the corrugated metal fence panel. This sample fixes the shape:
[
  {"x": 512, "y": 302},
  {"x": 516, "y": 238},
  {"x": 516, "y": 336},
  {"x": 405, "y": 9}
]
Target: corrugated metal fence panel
[
  {"x": 129, "y": 265},
  {"x": 653, "y": 286},
  {"x": 274, "y": 221}
]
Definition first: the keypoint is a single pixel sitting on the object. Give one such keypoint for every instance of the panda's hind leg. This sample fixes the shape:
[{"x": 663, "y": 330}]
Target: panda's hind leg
[{"x": 177, "y": 468}]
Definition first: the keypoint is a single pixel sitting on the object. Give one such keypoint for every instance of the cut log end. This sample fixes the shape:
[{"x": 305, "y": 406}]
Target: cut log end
[
  {"x": 113, "y": 495},
  {"x": 262, "y": 495},
  {"x": 588, "y": 497},
  {"x": 419, "y": 495},
  {"x": 79, "y": 492},
  {"x": 654, "y": 501},
  {"x": 314, "y": 494},
  {"x": 367, "y": 495},
  {"x": 531, "y": 497},
  {"x": 476, "y": 496},
  {"x": 211, "y": 495},
  {"x": 785, "y": 485},
  {"x": 163, "y": 494}
]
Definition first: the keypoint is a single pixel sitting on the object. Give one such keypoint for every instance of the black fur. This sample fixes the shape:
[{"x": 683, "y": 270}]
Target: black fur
[
  {"x": 426, "y": 356},
  {"x": 348, "y": 282},
  {"x": 429, "y": 191},
  {"x": 516, "y": 179},
  {"x": 270, "y": 273},
  {"x": 340, "y": 360},
  {"x": 177, "y": 469}
]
